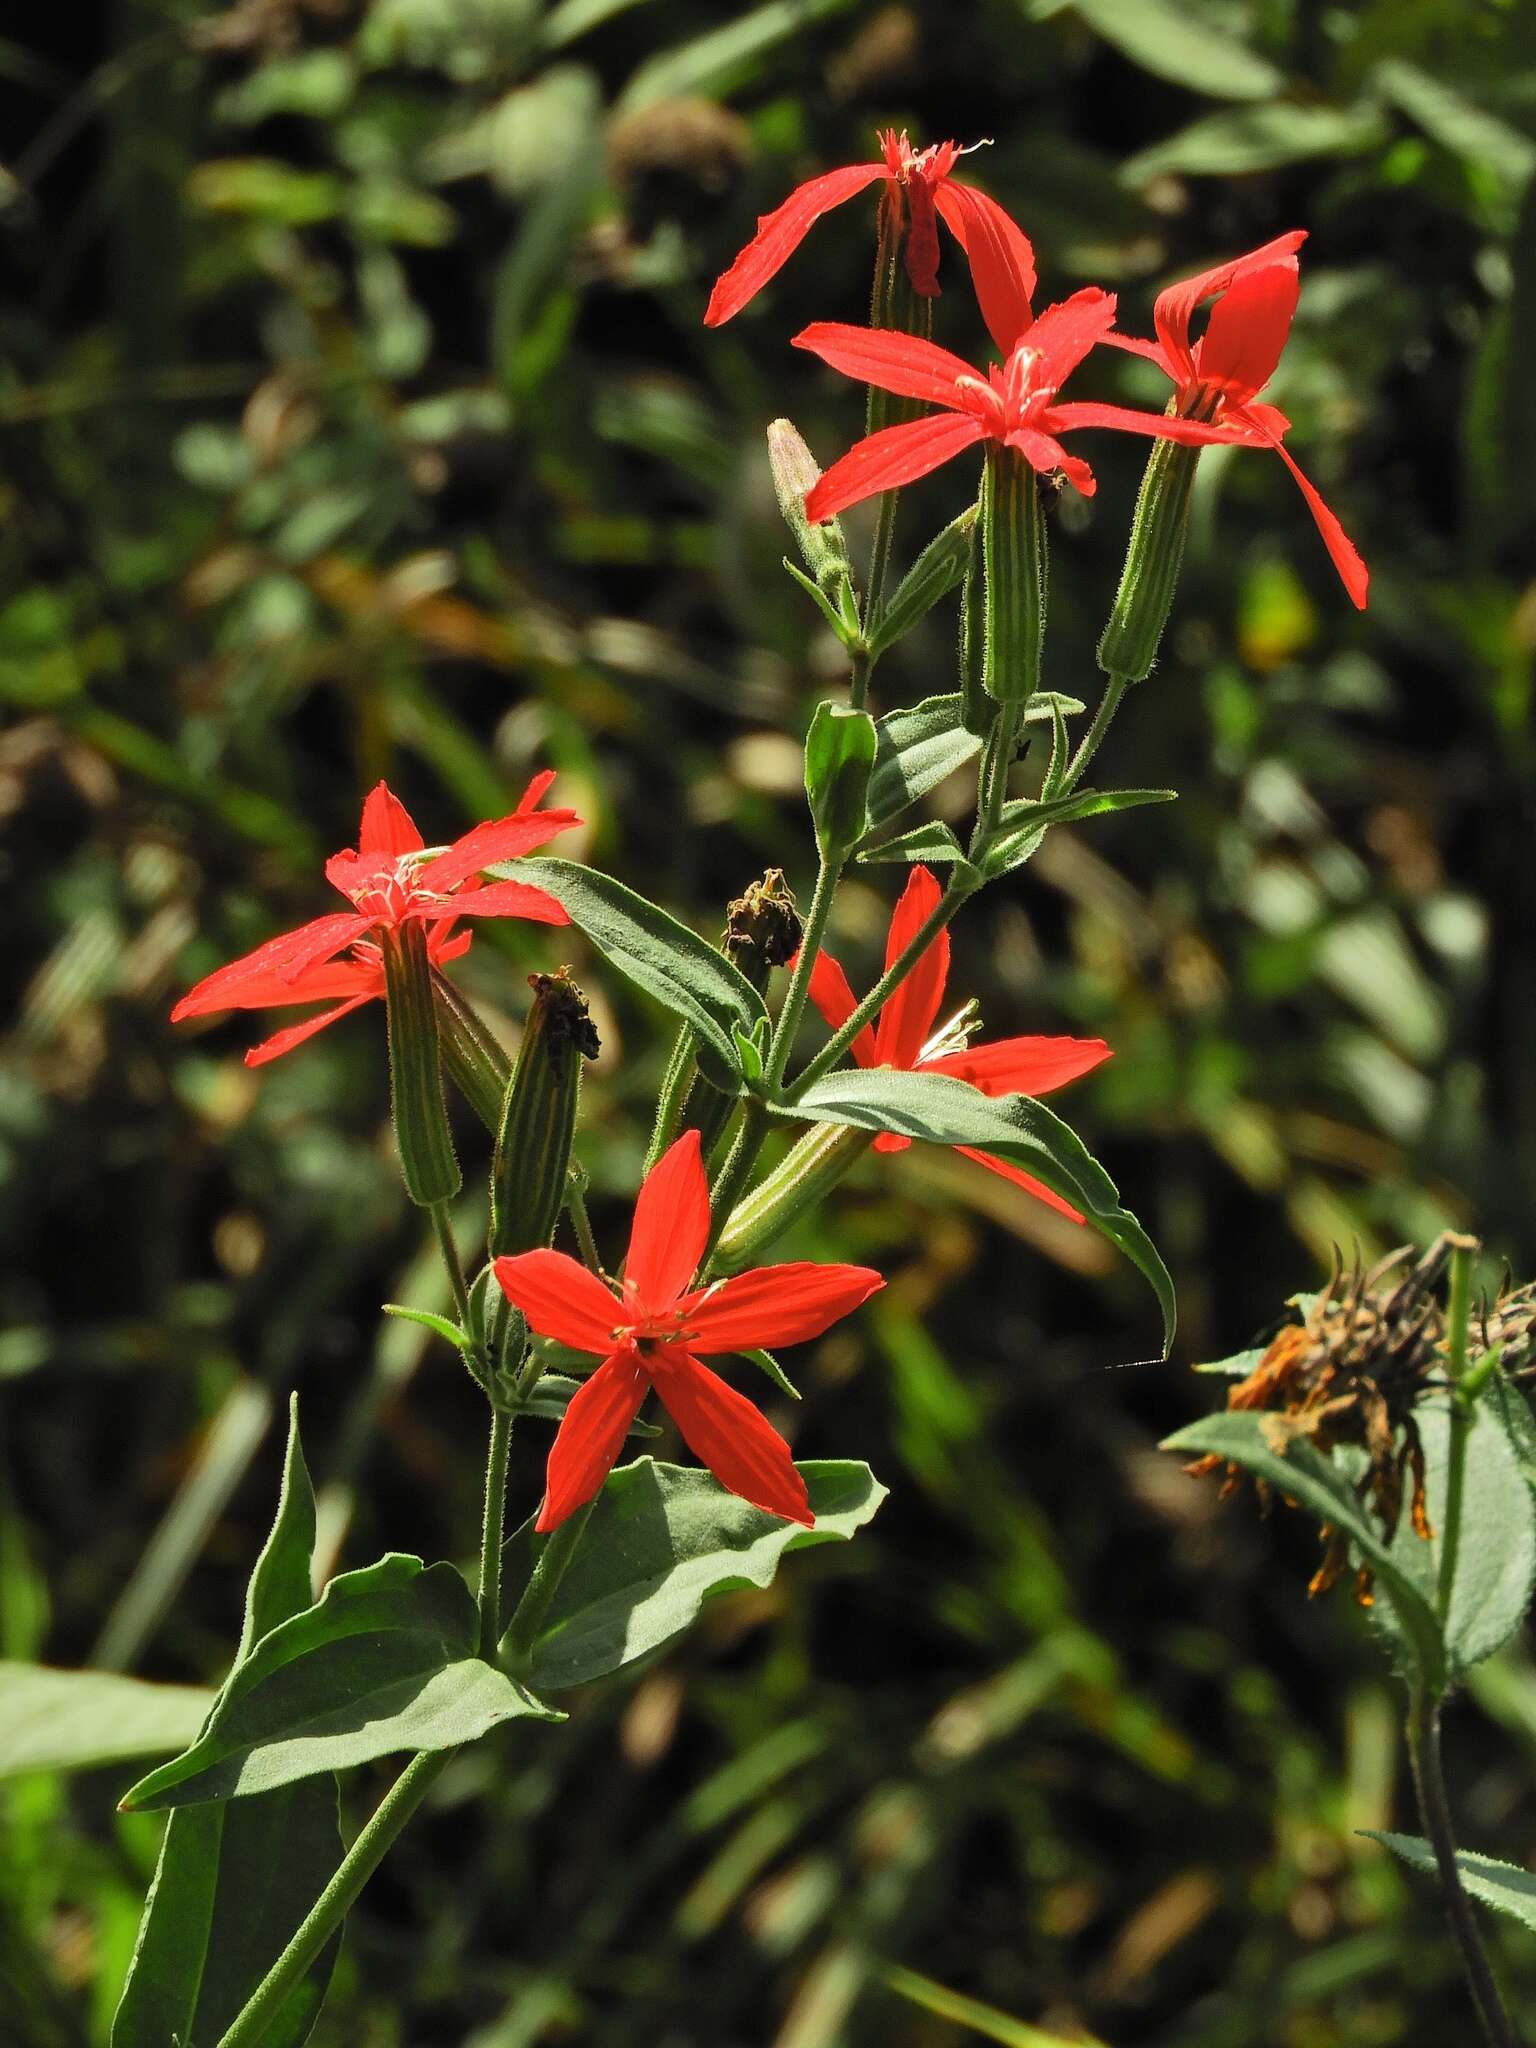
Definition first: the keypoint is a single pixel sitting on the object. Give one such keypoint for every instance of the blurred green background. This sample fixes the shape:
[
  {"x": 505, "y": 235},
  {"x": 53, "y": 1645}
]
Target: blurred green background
[{"x": 357, "y": 420}]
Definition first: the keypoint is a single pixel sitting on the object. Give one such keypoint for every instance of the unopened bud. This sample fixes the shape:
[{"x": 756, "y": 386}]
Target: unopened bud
[
  {"x": 538, "y": 1119},
  {"x": 415, "y": 1074},
  {"x": 472, "y": 1058},
  {"x": 796, "y": 472},
  {"x": 809, "y": 1170},
  {"x": 1151, "y": 573}
]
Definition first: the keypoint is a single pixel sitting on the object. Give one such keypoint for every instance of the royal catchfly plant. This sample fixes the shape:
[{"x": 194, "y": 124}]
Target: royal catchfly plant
[
  {"x": 392, "y": 878},
  {"x": 651, "y": 1333},
  {"x": 904, "y": 1036},
  {"x": 1002, "y": 261},
  {"x": 1013, "y": 405},
  {"x": 1219, "y": 376}
]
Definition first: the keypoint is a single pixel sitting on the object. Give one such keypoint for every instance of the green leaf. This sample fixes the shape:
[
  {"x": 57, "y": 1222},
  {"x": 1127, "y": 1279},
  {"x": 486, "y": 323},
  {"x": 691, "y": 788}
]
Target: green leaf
[
  {"x": 214, "y": 1921},
  {"x": 766, "y": 1362},
  {"x": 1456, "y": 124},
  {"x": 1176, "y": 43},
  {"x": 1496, "y": 1555},
  {"x": 1298, "y": 1470},
  {"x": 712, "y": 63},
  {"x": 941, "y": 1111},
  {"x": 384, "y": 1661},
  {"x": 1258, "y": 138},
  {"x": 915, "y": 749},
  {"x": 441, "y": 1326},
  {"x": 933, "y": 842},
  {"x": 1024, "y": 821},
  {"x": 657, "y": 953},
  {"x": 74, "y": 1720},
  {"x": 1504, "y": 1886},
  {"x": 1238, "y": 1366},
  {"x": 937, "y": 570},
  {"x": 660, "y": 1540},
  {"x": 839, "y": 759}
]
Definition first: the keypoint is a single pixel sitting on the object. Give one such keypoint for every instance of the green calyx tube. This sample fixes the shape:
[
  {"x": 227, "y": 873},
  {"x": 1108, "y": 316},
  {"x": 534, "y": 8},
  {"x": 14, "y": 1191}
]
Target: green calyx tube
[
  {"x": 472, "y": 1058},
  {"x": 427, "y": 1159},
  {"x": 1013, "y": 551},
  {"x": 811, "y": 1167},
  {"x": 538, "y": 1118},
  {"x": 1152, "y": 558}
]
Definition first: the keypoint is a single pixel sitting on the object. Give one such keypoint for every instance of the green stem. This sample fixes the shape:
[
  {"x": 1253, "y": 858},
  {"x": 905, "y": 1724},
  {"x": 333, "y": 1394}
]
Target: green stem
[
  {"x": 559, "y": 1548},
  {"x": 581, "y": 1223},
  {"x": 1435, "y": 1815},
  {"x": 740, "y": 1160},
  {"x": 331, "y": 1908},
  {"x": 447, "y": 1244},
  {"x": 492, "y": 1525},
  {"x": 827, "y": 877},
  {"x": 1458, "y": 1320},
  {"x": 996, "y": 761},
  {"x": 865, "y": 1012},
  {"x": 675, "y": 1084},
  {"x": 879, "y": 569},
  {"x": 1109, "y": 704}
]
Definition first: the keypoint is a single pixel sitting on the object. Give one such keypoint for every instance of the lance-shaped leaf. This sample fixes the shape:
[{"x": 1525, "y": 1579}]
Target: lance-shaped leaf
[
  {"x": 75, "y": 1720},
  {"x": 654, "y": 951},
  {"x": 942, "y": 1111},
  {"x": 1298, "y": 1471},
  {"x": 384, "y": 1661},
  {"x": 918, "y": 746},
  {"x": 1495, "y": 1562},
  {"x": 933, "y": 844},
  {"x": 1023, "y": 823},
  {"x": 660, "y": 1540},
  {"x": 937, "y": 570},
  {"x": 215, "y": 1921},
  {"x": 1504, "y": 1886}
]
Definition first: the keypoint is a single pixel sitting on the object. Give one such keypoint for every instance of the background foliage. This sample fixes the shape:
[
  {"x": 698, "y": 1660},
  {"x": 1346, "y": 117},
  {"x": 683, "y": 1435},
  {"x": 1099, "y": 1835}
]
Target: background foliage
[{"x": 357, "y": 421}]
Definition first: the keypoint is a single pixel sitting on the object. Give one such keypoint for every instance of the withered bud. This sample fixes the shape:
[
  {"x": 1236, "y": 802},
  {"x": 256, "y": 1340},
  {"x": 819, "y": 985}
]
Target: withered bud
[
  {"x": 538, "y": 1118},
  {"x": 762, "y": 928}
]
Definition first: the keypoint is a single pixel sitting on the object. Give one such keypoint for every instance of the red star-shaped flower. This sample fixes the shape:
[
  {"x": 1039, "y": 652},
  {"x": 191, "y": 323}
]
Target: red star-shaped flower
[
  {"x": 1002, "y": 262},
  {"x": 1015, "y": 404},
  {"x": 653, "y": 1332},
  {"x": 903, "y": 1036},
  {"x": 390, "y": 878},
  {"x": 1219, "y": 377}
]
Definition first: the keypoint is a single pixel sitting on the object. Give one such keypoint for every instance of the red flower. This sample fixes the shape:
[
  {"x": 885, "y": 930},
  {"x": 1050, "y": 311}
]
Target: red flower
[
  {"x": 651, "y": 1333},
  {"x": 1002, "y": 262},
  {"x": 1014, "y": 405},
  {"x": 904, "y": 1038},
  {"x": 390, "y": 879},
  {"x": 1218, "y": 377}
]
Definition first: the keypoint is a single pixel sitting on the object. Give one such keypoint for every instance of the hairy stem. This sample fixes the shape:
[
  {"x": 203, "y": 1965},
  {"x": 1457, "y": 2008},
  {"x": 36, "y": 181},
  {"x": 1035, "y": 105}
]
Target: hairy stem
[
  {"x": 333, "y": 1904},
  {"x": 1458, "y": 1320},
  {"x": 1103, "y": 718},
  {"x": 492, "y": 1523},
  {"x": 559, "y": 1548},
  {"x": 812, "y": 934},
  {"x": 1434, "y": 1814}
]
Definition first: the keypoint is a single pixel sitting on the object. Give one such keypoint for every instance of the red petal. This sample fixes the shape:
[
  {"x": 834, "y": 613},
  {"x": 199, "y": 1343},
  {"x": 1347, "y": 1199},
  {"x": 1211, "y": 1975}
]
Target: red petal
[
  {"x": 225, "y": 988},
  {"x": 1175, "y": 307},
  {"x": 285, "y": 1040},
  {"x": 1024, "y": 1180},
  {"x": 1162, "y": 426},
  {"x": 774, "y": 1305},
  {"x": 891, "y": 1141},
  {"x": 1022, "y": 1066},
  {"x": 496, "y": 899},
  {"x": 1247, "y": 330},
  {"x": 895, "y": 456},
  {"x": 590, "y": 1437},
  {"x": 1135, "y": 345},
  {"x": 560, "y": 1298},
  {"x": 779, "y": 235},
  {"x": 1353, "y": 573},
  {"x": 441, "y": 947},
  {"x": 1045, "y": 453},
  {"x": 671, "y": 1227},
  {"x": 903, "y": 363},
  {"x": 540, "y": 785},
  {"x": 500, "y": 839},
  {"x": 1064, "y": 333},
  {"x": 323, "y": 981},
  {"x": 725, "y": 1432},
  {"x": 1001, "y": 259},
  {"x": 908, "y": 1016},
  {"x": 833, "y": 997},
  {"x": 387, "y": 827}
]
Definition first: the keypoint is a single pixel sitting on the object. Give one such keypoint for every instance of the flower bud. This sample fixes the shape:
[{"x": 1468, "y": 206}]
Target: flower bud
[
  {"x": 1151, "y": 573},
  {"x": 472, "y": 1058},
  {"x": 796, "y": 472},
  {"x": 538, "y": 1119},
  {"x": 1013, "y": 566},
  {"x": 839, "y": 760},
  {"x": 427, "y": 1158},
  {"x": 808, "y": 1171}
]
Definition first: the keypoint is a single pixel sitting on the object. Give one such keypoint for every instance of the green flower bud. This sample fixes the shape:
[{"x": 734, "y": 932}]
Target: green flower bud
[
  {"x": 538, "y": 1119},
  {"x": 1151, "y": 573},
  {"x": 839, "y": 760},
  {"x": 808, "y": 1171},
  {"x": 415, "y": 1075},
  {"x": 796, "y": 472},
  {"x": 937, "y": 570},
  {"x": 472, "y": 1058},
  {"x": 1014, "y": 574}
]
